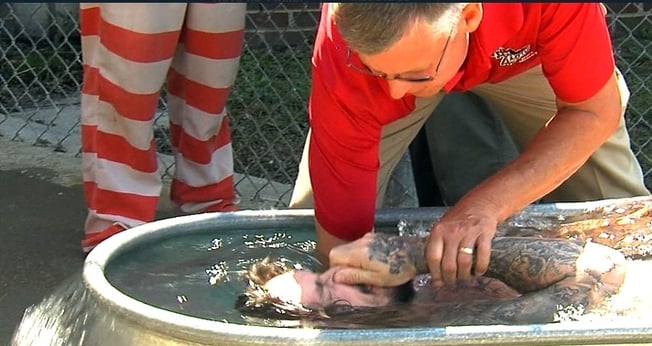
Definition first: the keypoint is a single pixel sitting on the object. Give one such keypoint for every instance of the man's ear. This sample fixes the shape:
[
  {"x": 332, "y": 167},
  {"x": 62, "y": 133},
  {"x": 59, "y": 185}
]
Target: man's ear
[{"x": 471, "y": 16}]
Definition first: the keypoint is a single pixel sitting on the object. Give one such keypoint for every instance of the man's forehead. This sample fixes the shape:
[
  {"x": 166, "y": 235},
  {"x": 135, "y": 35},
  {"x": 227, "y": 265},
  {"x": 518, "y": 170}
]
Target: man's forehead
[{"x": 415, "y": 52}]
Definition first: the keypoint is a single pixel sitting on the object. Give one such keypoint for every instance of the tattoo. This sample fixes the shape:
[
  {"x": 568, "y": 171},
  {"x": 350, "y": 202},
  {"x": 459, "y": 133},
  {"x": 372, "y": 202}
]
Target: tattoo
[
  {"x": 545, "y": 271},
  {"x": 399, "y": 253},
  {"x": 528, "y": 264},
  {"x": 624, "y": 226},
  {"x": 550, "y": 274}
]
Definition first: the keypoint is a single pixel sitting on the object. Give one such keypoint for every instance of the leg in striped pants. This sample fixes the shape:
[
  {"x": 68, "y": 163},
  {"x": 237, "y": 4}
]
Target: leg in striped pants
[{"x": 129, "y": 50}]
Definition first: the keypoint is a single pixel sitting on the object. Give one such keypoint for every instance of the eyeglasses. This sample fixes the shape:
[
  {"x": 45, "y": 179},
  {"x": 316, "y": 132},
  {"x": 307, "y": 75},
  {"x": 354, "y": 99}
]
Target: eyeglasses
[{"x": 406, "y": 77}]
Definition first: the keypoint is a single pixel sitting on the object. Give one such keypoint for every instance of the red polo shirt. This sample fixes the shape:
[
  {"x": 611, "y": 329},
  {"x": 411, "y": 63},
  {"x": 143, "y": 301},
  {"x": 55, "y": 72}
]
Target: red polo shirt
[{"x": 348, "y": 109}]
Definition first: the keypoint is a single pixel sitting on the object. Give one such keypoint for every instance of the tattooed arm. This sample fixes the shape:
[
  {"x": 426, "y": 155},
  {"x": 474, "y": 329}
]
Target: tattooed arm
[
  {"x": 551, "y": 274},
  {"x": 526, "y": 264},
  {"x": 557, "y": 277}
]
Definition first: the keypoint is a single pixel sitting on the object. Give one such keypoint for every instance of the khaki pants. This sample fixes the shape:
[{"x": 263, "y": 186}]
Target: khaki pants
[{"x": 472, "y": 135}]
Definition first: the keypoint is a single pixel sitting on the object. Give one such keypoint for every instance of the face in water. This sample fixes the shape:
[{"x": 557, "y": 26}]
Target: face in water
[{"x": 312, "y": 289}]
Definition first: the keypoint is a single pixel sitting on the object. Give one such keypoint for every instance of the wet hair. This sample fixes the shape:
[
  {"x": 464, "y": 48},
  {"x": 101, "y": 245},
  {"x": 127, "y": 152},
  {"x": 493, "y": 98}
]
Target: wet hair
[
  {"x": 256, "y": 301},
  {"x": 404, "y": 293}
]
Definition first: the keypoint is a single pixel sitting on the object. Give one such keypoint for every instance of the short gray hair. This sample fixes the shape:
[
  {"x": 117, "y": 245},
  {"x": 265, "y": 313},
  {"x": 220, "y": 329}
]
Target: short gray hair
[{"x": 370, "y": 28}]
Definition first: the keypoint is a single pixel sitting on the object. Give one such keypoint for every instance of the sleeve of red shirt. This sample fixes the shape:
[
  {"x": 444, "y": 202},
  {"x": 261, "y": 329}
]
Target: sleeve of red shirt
[
  {"x": 575, "y": 47},
  {"x": 343, "y": 153}
]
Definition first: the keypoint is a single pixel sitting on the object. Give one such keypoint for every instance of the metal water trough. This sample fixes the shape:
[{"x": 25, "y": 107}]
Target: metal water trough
[{"x": 127, "y": 321}]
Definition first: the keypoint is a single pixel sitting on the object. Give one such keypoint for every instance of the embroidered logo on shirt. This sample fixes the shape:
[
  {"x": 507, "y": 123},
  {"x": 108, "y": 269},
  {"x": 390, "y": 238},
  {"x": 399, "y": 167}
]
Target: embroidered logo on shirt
[{"x": 508, "y": 56}]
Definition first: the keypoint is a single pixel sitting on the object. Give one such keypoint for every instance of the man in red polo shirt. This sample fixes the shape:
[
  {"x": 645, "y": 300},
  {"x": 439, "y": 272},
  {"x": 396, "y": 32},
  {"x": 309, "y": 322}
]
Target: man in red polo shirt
[{"x": 378, "y": 72}]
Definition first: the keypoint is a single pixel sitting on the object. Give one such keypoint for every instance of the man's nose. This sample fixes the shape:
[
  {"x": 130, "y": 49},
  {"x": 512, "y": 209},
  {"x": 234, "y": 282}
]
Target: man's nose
[{"x": 398, "y": 88}]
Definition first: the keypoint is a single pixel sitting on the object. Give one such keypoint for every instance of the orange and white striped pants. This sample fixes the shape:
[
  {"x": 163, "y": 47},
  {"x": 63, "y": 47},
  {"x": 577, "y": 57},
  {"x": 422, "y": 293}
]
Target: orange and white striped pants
[{"x": 129, "y": 50}]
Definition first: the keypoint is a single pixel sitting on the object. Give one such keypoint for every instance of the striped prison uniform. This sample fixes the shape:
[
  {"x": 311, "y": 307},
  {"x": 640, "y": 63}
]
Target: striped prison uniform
[{"x": 129, "y": 50}]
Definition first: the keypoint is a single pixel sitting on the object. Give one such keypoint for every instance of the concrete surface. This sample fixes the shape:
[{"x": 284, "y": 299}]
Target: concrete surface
[
  {"x": 41, "y": 217},
  {"x": 41, "y": 230}
]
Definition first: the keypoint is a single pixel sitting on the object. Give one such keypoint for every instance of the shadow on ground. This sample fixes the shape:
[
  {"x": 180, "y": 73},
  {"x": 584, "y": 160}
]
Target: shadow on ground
[{"x": 41, "y": 229}]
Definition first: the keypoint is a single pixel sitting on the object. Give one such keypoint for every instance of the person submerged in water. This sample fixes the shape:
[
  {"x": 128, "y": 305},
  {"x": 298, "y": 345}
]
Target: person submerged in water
[{"x": 529, "y": 280}]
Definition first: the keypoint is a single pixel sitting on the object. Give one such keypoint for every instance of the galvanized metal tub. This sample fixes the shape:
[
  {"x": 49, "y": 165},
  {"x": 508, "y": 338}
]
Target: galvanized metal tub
[{"x": 127, "y": 321}]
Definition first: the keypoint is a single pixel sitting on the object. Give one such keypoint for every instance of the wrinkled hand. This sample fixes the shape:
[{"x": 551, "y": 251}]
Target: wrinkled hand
[
  {"x": 376, "y": 259},
  {"x": 460, "y": 230}
]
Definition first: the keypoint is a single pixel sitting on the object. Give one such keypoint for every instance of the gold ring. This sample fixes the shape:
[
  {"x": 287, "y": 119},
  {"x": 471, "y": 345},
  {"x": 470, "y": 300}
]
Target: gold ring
[{"x": 466, "y": 250}]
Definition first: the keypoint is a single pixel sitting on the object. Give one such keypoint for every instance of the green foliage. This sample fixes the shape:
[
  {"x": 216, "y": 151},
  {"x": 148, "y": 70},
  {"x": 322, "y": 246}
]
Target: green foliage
[
  {"x": 635, "y": 62},
  {"x": 268, "y": 112},
  {"x": 32, "y": 73}
]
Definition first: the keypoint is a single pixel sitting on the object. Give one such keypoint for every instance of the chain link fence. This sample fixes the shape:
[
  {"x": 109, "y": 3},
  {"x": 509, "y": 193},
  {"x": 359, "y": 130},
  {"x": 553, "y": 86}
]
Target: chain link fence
[{"x": 40, "y": 76}]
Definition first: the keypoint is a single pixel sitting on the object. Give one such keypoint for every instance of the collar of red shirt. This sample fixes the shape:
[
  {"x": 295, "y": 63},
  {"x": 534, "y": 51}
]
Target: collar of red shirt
[{"x": 499, "y": 22}]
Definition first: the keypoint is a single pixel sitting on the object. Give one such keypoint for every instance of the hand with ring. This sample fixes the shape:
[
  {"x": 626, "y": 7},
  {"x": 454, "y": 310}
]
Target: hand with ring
[{"x": 459, "y": 243}]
